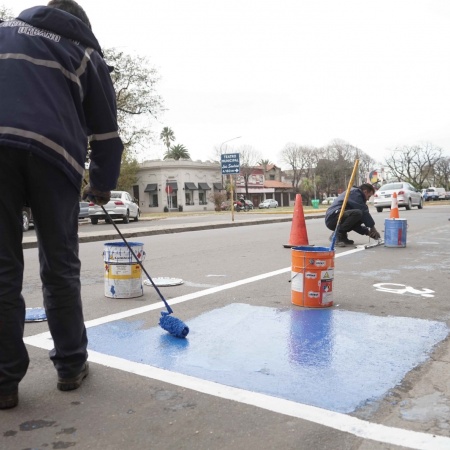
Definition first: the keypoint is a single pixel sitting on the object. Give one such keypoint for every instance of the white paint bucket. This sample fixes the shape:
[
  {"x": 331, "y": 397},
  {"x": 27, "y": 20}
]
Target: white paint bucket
[{"x": 123, "y": 275}]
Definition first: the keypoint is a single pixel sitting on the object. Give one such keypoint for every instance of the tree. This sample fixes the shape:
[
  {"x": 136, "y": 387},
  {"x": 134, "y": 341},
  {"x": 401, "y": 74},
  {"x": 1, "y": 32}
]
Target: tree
[
  {"x": 5, "y": 13},
  {"x": 138, "y": 103},
  {"x": 414, "y": 164},
  {"x": 167, "y": 136},
  {"x": 177, "y": 152},
  {"x": 248, "y": 160}
]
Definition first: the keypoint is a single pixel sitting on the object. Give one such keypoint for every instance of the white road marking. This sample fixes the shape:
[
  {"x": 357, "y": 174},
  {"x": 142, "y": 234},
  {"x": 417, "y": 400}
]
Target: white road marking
[{"x": 331, "y": 419}]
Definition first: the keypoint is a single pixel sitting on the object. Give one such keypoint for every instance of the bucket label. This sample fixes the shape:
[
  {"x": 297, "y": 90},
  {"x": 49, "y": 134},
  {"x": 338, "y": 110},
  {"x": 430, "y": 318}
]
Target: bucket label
[
  {"x": 123, "y": 281},
  {"x": 326, "y": 289},
  {"x": 297, "y": 281},
  {"x": 320, "y": 263},
  {"x": 327, "y": 275},
  {"x": 312, "y": 294},
  {"x": 311, "y": 275}
]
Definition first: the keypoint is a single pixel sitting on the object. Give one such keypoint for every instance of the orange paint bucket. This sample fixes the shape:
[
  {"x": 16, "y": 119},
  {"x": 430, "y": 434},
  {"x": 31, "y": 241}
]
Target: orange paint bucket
[{"x": 312, "y": 277}]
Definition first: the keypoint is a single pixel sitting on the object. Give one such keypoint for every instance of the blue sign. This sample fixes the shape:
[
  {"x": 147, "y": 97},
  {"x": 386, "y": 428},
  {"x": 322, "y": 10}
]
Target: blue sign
[{"x": 230, "y": 163}]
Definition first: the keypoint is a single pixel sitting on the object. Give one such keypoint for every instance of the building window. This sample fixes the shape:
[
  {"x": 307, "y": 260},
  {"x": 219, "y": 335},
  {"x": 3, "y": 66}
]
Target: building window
[
  {"x": 189, "y": 198},
  {"x": 271, "y": 177},
  {"x": 202, "y": 198},
  {"x": 153, "y": 201}
]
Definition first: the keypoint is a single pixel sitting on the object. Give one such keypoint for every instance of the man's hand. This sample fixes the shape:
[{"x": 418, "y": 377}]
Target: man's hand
[
  {"x": 373, "y": 233},
  {"x": 93, "y": 195}
]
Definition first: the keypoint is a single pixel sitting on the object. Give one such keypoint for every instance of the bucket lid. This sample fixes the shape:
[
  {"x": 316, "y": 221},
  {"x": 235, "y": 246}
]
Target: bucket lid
[
  {"x": 308, "y": 248},
  {"x": 122, "y": 244}
]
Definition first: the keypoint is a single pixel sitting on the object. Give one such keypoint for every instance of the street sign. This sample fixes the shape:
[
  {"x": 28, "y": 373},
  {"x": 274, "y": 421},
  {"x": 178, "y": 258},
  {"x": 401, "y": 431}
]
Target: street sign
[{"x": 230, "y": 163}]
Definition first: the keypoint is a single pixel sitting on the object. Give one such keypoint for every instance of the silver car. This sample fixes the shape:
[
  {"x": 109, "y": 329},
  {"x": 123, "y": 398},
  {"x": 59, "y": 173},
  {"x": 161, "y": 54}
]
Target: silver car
[
  {"x": 268, "y": 203},
  {"x": 407, "y": 196},
  {"x": 121, "y": 206}
]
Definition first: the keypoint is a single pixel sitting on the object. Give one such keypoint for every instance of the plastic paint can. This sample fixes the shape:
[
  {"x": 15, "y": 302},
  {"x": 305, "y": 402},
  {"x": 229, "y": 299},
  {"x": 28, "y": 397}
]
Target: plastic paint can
[
  {"x": 312, "y": 276},
  {"x": 395, "y": 232},
  {"x": 123, "y": 275}
]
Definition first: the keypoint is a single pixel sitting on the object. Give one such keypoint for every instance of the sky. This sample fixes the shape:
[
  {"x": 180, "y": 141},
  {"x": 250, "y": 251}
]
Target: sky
[{"x": 374, "y": 73}]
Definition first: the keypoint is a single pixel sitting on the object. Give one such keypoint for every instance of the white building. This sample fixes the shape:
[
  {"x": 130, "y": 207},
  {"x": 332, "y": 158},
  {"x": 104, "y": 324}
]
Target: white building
[{"x": 177, "y": 185}]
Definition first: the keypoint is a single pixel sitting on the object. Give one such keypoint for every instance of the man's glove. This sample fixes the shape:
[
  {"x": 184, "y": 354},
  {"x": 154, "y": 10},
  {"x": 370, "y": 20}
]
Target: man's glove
[
  {"x": 93, "y": 195},
  {"x": 373, "y": 233}
]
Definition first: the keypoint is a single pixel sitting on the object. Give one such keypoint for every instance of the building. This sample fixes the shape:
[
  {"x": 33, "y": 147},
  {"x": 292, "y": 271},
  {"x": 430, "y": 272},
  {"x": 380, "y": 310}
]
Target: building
[
  {"x": 265, "y": 183},
  {"x": 181, "y": 185}
]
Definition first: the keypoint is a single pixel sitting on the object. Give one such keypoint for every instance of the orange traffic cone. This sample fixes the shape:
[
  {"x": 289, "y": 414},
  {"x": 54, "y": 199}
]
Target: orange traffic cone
[
  {"x": 394, "y": 207},
  {"x": 299, "y": 235}
]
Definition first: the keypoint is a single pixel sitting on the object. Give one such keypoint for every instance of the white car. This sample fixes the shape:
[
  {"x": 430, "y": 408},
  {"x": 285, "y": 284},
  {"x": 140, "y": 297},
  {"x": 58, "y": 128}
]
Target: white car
[
  {"x": 407, "y": 196},
  {"x": 121, "y": 206},
  {"x": 269, "y": 203}
]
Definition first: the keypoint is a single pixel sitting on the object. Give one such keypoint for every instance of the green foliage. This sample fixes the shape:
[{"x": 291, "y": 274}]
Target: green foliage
[
  {"x": 128, "y": 172},
  {"x": 167, "y": 136},
  {"x": 177, "y": 152}
]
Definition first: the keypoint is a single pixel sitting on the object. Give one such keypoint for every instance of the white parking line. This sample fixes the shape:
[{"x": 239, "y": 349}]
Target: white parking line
[{"x": 331, "y": 419}]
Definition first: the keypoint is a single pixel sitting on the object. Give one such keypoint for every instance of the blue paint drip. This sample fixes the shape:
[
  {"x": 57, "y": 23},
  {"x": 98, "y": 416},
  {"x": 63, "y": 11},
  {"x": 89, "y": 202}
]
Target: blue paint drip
[
  {"x": 173, "y": 325},
  {"x": 338, "y": 360}
]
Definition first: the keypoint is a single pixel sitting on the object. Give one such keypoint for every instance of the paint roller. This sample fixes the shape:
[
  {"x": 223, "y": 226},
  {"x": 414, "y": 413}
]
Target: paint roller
[
  {"x": 344, "y": 204},
  {"x": 171, "y": 324}
]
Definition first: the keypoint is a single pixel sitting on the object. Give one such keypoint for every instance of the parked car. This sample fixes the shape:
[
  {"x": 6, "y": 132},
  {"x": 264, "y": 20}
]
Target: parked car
[
  {"x": 84, "y": 210},
  {"x": 269, "y": 203},
  {"x": 121, "y": 206},
  {"x": 329, "y": 200},
  {"x": 407, "y": 196},
  {"x": 27, "y": 218},
  {"x": 433, "y": 193}
]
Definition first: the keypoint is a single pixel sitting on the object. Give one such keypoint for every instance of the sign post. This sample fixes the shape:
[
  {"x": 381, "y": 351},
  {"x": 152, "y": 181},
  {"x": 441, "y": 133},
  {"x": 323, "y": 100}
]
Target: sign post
[{"x": 230, "y": 166}]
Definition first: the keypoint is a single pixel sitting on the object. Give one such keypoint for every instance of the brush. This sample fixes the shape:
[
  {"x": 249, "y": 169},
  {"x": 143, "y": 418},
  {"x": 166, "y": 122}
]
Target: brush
[
  {"x": 344, "y": 204},
  {"x": 172, "y": 325}
]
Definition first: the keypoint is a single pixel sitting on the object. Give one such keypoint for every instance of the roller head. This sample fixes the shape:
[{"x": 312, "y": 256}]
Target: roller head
[{"x": 173, "y": 325}]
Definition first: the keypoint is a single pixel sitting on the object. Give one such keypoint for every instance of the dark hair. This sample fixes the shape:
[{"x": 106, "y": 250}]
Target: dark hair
[
  {"x": 71, "y": 7},
  {"x": 367, "y": 187}
]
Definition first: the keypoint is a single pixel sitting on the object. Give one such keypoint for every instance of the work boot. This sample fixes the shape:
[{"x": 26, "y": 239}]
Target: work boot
[
  {"x": 340, "y": 242},
  {"x": 346, "y": 239},
  {"x": 9, "y": 399},
  {"x": 69, "y": 384}
]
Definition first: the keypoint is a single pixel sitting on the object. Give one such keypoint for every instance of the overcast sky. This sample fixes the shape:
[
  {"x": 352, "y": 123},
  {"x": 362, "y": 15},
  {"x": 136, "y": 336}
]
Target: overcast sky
[{"x": 375, "y": 73}]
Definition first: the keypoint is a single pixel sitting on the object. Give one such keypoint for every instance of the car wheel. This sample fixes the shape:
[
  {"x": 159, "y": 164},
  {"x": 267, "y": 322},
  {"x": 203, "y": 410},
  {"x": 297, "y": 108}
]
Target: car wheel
[
  {"x": 420, "y": 205},
  {"x": 137, "y": 216},
  {"x": 94, "y": 220},
  {"x": 126, "y": 217},
  {"x": 379, "y": 209},
  {"x": 25, "y": 221},
  {"x": 409, "y": 204}
]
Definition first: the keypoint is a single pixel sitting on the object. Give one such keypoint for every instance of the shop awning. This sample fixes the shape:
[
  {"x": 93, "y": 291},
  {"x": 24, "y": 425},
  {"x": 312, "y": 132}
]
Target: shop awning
[
  {"x": 218, "y": 186},
  {"x": 151, "y": 187},
  {"x": 203, "y": 186},
  {"x": 173, "y": 185},
  {"x": 190, "y": 186}
]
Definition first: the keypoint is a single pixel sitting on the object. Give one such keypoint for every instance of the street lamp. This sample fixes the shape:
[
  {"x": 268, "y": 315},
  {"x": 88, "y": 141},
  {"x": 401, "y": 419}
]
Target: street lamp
[{"x": 232, "y": 139}]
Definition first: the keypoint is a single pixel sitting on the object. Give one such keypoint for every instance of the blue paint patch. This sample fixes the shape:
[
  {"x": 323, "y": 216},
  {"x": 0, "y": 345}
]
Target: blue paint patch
[{"x": 338, "y": 360}]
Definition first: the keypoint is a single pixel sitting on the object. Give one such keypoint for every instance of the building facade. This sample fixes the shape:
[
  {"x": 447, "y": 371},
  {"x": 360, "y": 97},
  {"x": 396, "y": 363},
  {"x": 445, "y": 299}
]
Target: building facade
[{"x": 177, "y": 185}]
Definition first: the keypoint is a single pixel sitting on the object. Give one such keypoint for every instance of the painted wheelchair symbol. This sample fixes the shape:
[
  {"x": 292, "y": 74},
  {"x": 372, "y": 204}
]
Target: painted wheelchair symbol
[{"x": 395, "y": 288}]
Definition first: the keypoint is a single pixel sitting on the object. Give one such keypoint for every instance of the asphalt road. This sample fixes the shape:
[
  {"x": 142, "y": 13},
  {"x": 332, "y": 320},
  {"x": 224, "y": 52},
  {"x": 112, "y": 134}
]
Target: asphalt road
[{"x": 127, "y": 404}]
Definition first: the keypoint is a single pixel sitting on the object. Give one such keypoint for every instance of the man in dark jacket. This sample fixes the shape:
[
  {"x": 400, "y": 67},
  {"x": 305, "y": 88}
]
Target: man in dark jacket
[
  {"x": 356, "y": 216},
  {"x": 56, "y": 93}
]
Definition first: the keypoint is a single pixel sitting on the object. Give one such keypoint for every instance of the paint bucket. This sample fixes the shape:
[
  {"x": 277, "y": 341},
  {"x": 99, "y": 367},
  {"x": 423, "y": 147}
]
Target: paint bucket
[
  {"x": 312, "y": 276},
  {"x": 123, "y": 275},
  {"x": 395, "y": 232}
]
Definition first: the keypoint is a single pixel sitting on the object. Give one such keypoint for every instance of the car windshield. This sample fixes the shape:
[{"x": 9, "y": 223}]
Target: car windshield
[{"x": 391, "y": 187}]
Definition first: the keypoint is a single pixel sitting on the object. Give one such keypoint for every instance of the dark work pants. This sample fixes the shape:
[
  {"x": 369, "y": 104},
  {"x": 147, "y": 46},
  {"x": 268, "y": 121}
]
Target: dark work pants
[
  {"x": 54, "y": 200},
  {"x": 350, "y": 219}
]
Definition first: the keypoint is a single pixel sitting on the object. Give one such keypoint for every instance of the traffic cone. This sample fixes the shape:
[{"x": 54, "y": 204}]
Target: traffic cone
[
  {"x": 394, "y": 207},
  {"x": 299, "y": 235}
]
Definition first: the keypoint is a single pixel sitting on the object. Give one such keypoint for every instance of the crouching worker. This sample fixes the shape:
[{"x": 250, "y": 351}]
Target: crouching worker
[{"x": 356, "y": 216}]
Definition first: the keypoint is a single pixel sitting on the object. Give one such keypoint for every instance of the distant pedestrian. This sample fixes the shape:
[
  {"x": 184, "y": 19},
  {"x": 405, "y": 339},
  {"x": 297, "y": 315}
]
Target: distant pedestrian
[
  {"x": 55, "y": 91},
  {"x": 356, "y": 216}
]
